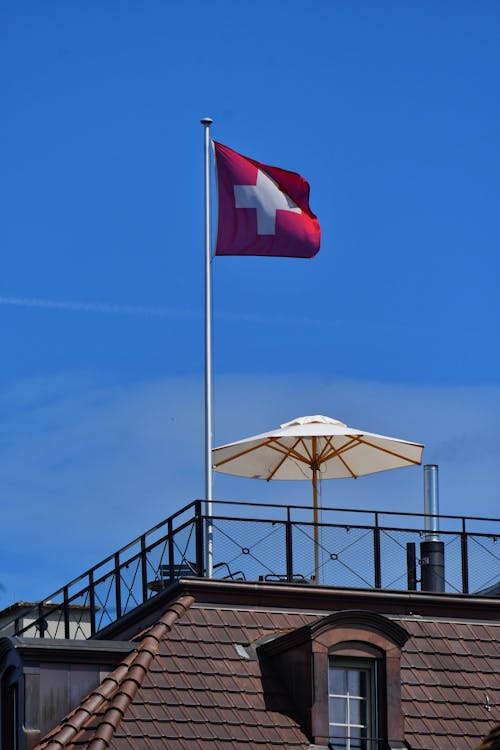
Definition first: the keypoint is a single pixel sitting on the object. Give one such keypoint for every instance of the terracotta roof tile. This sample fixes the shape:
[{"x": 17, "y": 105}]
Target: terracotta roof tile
[
  {"x": 189, "y": 687},
  {"x": 116, "y": 691},
  {"x": 447, "y": 668}
]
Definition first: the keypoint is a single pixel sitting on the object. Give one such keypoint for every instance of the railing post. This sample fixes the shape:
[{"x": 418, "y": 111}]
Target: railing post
[
  {"x": 92, "y": 602},
  {"x": 170, "y": 549},
  {"x": 288, "y": 546},
  {"x": 411, "y": 566},
  {"x": 41, "y": 621},
  {"x": 377, "y": 567},
  {"x": 465, "y": 559},
  {"x": 118, "y": 588},
  {"x": 144, "y": 569},
  {"x": 66, "y": 612},
  {"x": 200, "y": 560}
]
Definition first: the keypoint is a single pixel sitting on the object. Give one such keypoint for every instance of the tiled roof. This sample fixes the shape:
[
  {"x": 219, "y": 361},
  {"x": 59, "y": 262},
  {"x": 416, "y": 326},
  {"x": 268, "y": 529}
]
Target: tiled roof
[
  {"x": 201, "y": 690},
  {"x": 190, "y": 684},
  {"x": 187, "y": 684},
  {"x": 492, "y": 741},
  {"x": 94, "y": 722},
  {"x": 450, "y": 682}
]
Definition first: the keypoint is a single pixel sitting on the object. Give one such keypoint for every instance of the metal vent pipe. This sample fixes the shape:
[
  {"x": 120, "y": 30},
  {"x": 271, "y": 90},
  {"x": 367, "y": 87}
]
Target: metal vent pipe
[
  {"x": 431, "y": 502},
  {"x": 432, "y": 549}
]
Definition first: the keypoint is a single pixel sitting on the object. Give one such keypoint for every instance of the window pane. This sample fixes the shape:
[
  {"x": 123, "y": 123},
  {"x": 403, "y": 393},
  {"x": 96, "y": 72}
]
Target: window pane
[
  {"x": 338, "y": 744},
  {"x": 355, "y": 711},
  {"x": 358, "y": 738},
  {"x": 363, "y": 683},
  {"x": 363, "y": 713},
  {"x": 339, "y": 733},
  {"x": 357, "y": 682},
  {"x": 338, "y": 710},
  {"x": 338, "y": 683},
  {"x": 353, "y": 681},
  {"x": 338, "y": 738}
]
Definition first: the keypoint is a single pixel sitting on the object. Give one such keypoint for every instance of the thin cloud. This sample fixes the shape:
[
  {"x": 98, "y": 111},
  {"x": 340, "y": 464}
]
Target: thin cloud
[
  {"x": 108, "y": 308},
  {"x": 76, "y": 448},
  {"x": 94, "y": 307}
]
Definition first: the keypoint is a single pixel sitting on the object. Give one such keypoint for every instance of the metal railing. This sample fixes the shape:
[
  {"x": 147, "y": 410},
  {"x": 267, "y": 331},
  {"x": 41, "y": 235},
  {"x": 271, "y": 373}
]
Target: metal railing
[{"x": 356, "y": 549}]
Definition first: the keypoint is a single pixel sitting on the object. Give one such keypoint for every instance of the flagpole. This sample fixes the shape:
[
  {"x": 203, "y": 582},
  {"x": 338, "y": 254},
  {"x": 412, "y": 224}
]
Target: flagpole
[{"x": 209, "y": 556}]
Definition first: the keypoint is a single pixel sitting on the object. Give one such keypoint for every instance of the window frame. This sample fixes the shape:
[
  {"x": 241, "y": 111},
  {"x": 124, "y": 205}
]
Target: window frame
[
  {"x": 369, "y": 667},
  {"x": 365, "y": 635},
  {"x": 301, "y": 657}
]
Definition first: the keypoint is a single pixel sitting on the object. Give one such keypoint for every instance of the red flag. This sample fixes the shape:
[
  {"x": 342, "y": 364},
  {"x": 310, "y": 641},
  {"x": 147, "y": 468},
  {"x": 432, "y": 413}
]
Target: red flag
[{"x": 263, "y": 210}]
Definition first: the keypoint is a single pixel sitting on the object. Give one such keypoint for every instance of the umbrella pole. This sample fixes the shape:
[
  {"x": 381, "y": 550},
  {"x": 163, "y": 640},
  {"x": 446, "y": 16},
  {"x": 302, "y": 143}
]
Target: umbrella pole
[
  {"x": 314, "y": 467},
  {"x": 316, "y": 530}
]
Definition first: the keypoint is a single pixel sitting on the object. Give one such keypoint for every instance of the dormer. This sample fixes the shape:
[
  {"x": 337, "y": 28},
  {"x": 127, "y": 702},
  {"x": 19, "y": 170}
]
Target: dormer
[{"x": 342, "y": 673}]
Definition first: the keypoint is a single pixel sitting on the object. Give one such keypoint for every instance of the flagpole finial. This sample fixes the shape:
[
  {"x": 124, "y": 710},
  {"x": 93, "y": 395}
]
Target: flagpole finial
[{"x": 206, "y": 121}]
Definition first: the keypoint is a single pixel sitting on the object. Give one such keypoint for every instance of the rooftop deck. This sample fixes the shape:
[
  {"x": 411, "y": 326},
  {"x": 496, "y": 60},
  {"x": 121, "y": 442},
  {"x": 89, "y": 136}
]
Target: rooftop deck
[{"x": 357, "y": 549}]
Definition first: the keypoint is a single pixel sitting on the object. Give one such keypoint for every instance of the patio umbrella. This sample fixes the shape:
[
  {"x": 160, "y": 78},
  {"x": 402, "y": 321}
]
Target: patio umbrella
[{"x": 312, "y": 447}]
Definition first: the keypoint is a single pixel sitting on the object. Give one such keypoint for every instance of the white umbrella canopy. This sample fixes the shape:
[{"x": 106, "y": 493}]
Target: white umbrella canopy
[{"x": 314, "y": 446}]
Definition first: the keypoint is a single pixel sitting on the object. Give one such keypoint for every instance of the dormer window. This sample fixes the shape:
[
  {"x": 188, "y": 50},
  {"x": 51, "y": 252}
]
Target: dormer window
[
  {"x": 343, "y": 676},
  {"x": 352, "y": 704}
]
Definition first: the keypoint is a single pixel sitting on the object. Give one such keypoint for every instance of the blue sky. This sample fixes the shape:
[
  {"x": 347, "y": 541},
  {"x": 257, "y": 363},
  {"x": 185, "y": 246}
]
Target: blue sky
[{"x": 389, "y": 109}]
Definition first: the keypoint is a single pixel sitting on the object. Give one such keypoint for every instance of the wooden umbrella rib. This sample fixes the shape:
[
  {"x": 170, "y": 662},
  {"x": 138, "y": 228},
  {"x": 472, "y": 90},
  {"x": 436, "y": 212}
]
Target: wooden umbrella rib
[
  {"x": 391, "y": 453},
  {"x": 286, "y": 455},
  {"x": 243, "y": 453},
  {"x": 336, "y": 454},
  {"x": 328, "y": 443},
  {"x": 306, "y": 449},
  {"x": 353, "y": 475},
  {"x": 284, "y": 450},
  {"x": 272, "y": 443},
  {"x": 360, "y": 440}
]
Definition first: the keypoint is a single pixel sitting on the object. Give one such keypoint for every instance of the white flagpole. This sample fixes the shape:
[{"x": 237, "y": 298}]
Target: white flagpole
[{"x": 209, "y": 553}]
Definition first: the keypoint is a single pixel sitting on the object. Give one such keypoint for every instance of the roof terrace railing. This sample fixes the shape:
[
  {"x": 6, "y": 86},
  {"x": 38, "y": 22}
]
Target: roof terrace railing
[{"x": 356, "y": 549}]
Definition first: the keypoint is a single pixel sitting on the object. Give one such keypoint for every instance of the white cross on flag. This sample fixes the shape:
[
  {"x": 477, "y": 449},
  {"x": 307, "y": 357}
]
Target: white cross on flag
[{"x": 263, "y": 210}]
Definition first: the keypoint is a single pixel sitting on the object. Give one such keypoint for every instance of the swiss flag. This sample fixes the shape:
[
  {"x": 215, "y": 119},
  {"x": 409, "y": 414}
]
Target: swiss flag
[{"x": 263, "y": 210}]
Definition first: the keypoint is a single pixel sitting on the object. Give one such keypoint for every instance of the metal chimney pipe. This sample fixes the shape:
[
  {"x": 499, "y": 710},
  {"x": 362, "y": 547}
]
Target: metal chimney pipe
[
  {"x": 431, "y": 502},
  {"x": 432, "y": 549}
]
